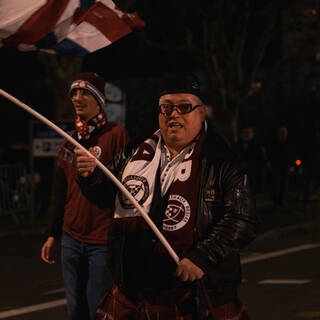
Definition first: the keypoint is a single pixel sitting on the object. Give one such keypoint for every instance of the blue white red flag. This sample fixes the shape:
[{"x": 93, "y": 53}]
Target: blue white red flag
[{"x": 67, "y": 27}]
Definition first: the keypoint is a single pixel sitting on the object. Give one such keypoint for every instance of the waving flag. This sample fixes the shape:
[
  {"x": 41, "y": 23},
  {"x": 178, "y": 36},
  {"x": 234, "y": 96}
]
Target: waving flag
[{"x": 67, "y": 27}]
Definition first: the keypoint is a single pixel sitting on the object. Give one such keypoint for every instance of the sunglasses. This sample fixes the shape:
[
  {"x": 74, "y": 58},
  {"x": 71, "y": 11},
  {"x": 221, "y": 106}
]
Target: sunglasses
[{"x": 182, "y": 108}]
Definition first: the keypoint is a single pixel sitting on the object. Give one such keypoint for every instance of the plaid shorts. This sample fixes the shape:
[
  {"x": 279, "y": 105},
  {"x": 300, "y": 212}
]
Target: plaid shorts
[{"x": 116, "y": 306}]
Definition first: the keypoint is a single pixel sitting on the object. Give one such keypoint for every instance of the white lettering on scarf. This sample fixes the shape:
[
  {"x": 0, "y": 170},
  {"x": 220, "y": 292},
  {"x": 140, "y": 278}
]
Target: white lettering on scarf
[{"x": 139, "y": 178}]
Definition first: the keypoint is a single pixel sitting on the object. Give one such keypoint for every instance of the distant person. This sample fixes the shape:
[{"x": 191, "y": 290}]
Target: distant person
[
  {"x": 281, "y": 155},
  {"x": 81, "y": 225},
  {"x": 221, "y": 144},
  {"x": 254, "y": 155},
  {"x": 199, "y": 199},
  {"x": 310, "y": 157}
]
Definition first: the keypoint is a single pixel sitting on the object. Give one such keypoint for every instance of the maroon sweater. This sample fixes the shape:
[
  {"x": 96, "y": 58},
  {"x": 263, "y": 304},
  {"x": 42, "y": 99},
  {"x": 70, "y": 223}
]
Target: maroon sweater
[{"x": 73, "y": 213}]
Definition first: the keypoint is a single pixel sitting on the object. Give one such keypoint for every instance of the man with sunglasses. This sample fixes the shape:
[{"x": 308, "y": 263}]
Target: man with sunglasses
[{"x": 199, "y": 199}]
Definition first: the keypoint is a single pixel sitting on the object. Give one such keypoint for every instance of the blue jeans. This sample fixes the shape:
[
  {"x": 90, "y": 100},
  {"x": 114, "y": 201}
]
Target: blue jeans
[{"x": 85, "y": 275}]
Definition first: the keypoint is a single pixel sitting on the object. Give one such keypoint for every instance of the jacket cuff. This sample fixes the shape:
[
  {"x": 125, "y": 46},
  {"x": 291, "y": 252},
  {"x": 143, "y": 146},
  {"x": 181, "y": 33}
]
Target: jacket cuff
[{"x": 200, "y": 260}]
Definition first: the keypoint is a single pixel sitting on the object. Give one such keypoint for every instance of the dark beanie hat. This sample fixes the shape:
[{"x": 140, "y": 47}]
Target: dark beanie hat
[
  {"x": 93, "y": 83},
  {"x": 182, "y": 83}
]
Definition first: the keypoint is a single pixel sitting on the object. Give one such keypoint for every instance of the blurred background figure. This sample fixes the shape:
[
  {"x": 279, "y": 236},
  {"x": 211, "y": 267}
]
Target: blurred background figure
[
  {"x": 310, "y": 158},
  {"x": 281, "y": 154},
  {"x": 250, "y": 150}
]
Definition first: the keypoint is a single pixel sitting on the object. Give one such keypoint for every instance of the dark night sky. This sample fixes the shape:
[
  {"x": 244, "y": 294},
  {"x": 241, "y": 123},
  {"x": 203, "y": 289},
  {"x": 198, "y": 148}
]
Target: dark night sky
[{"x": 128, "y": 57}]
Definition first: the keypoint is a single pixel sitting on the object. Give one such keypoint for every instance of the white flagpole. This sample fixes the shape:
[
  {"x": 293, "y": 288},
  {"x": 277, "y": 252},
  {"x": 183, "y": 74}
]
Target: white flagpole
[{"x": 101, "y": 166}]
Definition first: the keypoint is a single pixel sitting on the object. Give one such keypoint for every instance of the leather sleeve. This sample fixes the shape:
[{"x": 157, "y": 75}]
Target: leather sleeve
[{"x": 236, "y": 226}]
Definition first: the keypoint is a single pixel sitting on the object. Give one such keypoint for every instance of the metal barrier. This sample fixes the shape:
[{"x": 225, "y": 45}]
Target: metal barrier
[{"x": 15, "y": 189}]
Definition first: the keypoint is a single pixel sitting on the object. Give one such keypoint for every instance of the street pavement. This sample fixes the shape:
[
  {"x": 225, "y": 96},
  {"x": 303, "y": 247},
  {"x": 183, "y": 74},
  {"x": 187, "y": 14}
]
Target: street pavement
[
  {"x": 281, "y": 271},
  {"x": 281, "y": 274}
]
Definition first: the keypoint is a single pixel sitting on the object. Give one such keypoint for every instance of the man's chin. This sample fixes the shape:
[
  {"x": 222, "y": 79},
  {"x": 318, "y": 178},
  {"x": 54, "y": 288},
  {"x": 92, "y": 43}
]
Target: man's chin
[
  {"x": 175, "y": 132},
  {"x": 80, "y": 113},
  {"x": 175, "y": 139}
]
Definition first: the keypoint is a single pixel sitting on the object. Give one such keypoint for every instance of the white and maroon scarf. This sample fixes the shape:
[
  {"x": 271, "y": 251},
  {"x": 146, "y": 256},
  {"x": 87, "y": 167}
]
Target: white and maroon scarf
[{"x": 179, "y": 177}]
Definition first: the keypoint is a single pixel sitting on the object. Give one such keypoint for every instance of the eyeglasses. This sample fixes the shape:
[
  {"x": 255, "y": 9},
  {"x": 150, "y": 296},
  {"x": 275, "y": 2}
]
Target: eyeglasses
[{"x": 182, "y": 108}]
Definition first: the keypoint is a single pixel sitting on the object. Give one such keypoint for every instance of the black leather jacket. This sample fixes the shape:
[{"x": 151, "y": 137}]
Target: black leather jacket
[{"x": 226, "y": 217}]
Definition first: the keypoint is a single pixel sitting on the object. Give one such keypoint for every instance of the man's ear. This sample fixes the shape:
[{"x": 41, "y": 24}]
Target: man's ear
[{"x": 203, "y": 112}]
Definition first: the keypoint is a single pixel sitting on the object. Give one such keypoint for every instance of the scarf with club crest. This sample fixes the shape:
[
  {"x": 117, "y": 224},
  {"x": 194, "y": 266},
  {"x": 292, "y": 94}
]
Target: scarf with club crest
[{"x": 179, "y": 181}]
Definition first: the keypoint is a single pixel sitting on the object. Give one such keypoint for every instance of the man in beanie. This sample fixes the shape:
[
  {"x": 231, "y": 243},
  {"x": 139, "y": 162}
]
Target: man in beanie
[
  {"x": 200, "y": 200},
  {"x": 81, "y": 225}
]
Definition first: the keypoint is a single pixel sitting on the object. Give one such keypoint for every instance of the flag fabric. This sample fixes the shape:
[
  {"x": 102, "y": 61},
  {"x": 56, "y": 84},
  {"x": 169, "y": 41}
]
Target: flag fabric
[{"x": 66, "y": 27}]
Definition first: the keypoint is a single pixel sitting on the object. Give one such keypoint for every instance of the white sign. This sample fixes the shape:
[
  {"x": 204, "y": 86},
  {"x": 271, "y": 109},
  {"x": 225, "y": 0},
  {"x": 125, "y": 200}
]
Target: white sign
[
  {"x": 45, "y": 140},
  {"x": 46, "y": 147}
]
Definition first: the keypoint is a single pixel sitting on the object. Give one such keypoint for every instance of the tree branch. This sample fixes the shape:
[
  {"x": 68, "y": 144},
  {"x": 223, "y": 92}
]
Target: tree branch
[
  {"x": 262, "y": 45},
  {"x": 239, "y": 45}
]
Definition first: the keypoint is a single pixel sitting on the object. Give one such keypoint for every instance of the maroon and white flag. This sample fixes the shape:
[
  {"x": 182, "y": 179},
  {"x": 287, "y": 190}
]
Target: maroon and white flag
[{"x": 67, "y": 27}]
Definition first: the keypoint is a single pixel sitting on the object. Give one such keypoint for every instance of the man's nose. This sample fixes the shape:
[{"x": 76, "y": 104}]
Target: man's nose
[
  {"x": 77, "y": 95},
  {"x": 174, "y": 109}
]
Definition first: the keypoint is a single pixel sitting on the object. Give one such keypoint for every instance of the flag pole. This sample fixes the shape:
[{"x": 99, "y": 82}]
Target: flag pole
[{"x": 101, "y": 166}]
